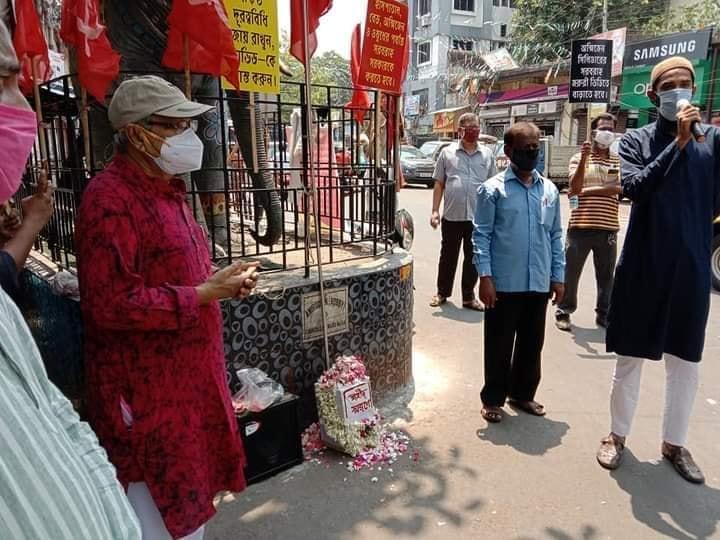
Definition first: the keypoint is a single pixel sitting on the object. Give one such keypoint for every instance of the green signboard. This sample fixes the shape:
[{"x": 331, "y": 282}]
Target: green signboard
[{"x": 636, "y": 81}]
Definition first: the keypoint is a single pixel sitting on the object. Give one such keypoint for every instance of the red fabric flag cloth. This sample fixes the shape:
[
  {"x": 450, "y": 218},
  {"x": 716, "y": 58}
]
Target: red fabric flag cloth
[
  {"x": 205, "y": 22},
  {"x": 98, "y": 63},
  {"x": 29, "y": 43},
  {"x": 360, "y": 99},
  {"x": 316, "y": 9}
]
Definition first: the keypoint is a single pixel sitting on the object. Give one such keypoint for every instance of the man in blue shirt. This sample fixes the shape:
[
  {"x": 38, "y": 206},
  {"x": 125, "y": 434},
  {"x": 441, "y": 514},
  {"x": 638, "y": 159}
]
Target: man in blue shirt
[{"x": 520, "y": 259}]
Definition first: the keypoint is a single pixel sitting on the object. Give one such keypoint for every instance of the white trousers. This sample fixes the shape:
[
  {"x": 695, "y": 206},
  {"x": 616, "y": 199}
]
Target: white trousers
[
  {"x": 681, "y": 383},
  {"x": 151, "y": 522}
]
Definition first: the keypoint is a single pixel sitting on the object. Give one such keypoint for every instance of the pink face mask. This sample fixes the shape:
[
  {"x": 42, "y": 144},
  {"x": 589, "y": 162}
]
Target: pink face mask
[{"x": 18, "y": 128}]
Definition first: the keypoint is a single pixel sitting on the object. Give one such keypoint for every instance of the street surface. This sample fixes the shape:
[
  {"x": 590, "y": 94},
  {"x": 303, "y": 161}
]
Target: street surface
[{"x": 526, "y": 478}]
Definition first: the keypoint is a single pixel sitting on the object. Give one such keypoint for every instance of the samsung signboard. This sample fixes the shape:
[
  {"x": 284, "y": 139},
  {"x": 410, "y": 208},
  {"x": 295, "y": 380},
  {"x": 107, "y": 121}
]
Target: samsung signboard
[
  {"x": 641, "y": 57},
  {"x": 636, "y": 83},
  {"x": 691, "y": 45}
]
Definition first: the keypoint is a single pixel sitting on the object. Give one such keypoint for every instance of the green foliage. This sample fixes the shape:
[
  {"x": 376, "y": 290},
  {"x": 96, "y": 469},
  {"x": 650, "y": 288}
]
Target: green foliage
[
  {"x": 542, "y": 30},
  {"x": 695, "y": 16},
  {"x": 327, "y": 69}
]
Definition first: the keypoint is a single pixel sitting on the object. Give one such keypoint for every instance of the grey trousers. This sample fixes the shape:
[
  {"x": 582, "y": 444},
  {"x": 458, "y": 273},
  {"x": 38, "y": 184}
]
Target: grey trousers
[{"x": 579, "y": 244}]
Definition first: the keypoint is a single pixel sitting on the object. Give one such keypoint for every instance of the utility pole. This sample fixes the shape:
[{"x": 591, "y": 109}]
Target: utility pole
[{"x": 605, "y": 16}]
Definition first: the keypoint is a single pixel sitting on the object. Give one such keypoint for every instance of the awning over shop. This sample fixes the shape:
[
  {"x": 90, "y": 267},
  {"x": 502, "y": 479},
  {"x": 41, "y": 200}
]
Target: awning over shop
[
  {"x": 539, "y": 92},
  {"x": 445, "y": 120}
]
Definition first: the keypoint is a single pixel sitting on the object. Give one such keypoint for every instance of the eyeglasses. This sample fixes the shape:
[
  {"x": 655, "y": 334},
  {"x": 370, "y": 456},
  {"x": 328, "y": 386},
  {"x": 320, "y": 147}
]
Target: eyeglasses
[{"x": 177, "y": 125}]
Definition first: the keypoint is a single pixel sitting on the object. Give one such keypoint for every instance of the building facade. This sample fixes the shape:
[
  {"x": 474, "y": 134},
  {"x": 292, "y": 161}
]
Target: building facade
[{"x": 448, "y": 38}]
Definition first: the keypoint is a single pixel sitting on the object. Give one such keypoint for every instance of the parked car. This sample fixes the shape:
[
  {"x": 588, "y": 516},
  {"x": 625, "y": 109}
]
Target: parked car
[
  {"x": 416, "y": 167},
  {"x": 428, "y": 148},
  {"x": 501, "y": 160},
  {"x": 487, "y": 140},
  {"x": 278, "y": 158},
  {"x": 715, "y": 260}
]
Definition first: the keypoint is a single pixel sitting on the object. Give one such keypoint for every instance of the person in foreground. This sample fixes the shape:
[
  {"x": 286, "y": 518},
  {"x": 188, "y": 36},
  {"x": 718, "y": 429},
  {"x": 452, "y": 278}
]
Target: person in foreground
[
  {"x": 459, "y": 171},
  {"x": 155, "y": 363},
  {"x": 594, "y": 224},
  {"x": 661, "y": 295},
  {"x": 55, "y": 479},
  {"x": 18, "y": 127},
  {"x": 519, "y": 257}
]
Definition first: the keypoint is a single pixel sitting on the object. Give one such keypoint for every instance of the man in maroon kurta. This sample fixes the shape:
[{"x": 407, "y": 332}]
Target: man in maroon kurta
[{"x": 157, "y": 394}]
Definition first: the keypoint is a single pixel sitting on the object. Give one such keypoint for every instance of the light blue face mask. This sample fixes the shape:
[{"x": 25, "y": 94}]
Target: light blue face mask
[{"x": 669, "y": 100}]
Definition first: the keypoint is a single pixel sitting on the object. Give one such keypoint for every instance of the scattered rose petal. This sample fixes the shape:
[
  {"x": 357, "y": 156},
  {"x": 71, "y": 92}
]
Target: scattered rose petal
[{"x": 311, "y": 441}]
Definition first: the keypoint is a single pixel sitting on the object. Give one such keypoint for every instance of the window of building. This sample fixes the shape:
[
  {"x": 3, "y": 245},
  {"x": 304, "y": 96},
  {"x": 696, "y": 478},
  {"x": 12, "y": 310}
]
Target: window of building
[
  {"x": 423, "y": 56},
  {"x": 424, "y": 7},
  {"x": 424, "y": 98},
  {"x": 462, "y": 45},
  {"x": 512, "y": 4},
  {"x": 503, "y": 30},
  {"x": 464, "y": 5},
  {"x": 496, "y": 3}
]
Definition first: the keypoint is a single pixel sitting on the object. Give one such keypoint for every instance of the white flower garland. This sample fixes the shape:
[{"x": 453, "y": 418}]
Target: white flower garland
[{"x": 348, "y": 437}]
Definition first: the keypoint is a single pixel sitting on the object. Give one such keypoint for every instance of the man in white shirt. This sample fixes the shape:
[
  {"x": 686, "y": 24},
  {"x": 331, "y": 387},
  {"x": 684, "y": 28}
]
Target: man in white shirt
[{"x": 460, "y": 170}]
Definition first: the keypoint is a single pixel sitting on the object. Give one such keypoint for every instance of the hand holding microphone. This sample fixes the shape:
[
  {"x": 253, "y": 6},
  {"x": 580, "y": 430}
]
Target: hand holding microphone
[{"x": 688, "y": 120}]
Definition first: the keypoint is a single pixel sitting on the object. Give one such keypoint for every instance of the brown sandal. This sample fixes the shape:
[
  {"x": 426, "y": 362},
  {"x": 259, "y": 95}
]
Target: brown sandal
[
  {"x": 474, "y": 304},
  {"x": 492, "y": 414},
  {"x": 530, "y": 407},
  {"x": 437, "y": 300}
]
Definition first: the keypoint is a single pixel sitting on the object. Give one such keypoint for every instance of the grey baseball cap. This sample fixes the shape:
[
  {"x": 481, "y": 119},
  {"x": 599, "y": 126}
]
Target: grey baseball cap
[{"x": 138, "y": 98}]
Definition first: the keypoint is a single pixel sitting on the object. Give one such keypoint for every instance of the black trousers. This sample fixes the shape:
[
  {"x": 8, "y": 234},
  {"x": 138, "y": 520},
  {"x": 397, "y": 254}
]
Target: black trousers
[
  {"x": 455, "y": 233},
  {"x": 514, "y": 338},
  {"x": 579, "y": 244}
]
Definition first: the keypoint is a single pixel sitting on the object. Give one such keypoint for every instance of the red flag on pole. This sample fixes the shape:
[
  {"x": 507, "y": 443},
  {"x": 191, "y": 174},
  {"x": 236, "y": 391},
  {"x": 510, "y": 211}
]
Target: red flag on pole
[
  {"x": 360, "y": 98},
  {"x": 29, "y": 43},
  {"x": 315, "y": 10},
  {"x": 205, "y": 23},
  {"x": 98, "y": 63}
]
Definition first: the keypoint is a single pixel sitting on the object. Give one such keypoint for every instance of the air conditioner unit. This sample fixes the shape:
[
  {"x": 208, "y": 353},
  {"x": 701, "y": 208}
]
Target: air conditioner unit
[{"x": 425, "y": 20}]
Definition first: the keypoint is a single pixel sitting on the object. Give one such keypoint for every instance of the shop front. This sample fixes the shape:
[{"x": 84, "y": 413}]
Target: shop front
[
  {"x": 540, "y": 104},
  {"x": 494, "y": 121},
  {"x": 545, "y": 115},
  {"x": 445, "y": 121}
]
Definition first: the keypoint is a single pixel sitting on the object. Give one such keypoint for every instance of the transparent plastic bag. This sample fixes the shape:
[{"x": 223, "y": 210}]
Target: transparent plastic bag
[{"x": 258, "y": 390}]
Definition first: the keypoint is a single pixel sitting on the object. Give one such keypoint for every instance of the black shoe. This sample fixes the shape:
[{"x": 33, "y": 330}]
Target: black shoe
[
  {"x": 562, "y": 322},
  {"x": 684, "y": 464},
  {"x": 601, "y": 321}
]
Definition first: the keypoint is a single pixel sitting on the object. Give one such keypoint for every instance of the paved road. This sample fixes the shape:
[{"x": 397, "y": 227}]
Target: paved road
[{"x": 527, "y": 478}]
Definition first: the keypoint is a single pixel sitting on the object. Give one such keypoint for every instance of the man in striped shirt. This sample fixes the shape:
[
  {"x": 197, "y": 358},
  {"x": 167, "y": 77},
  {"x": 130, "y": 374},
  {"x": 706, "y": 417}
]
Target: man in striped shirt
[
  {"x": 594, "y": 223},
  {"x": 55, "y": 480}
]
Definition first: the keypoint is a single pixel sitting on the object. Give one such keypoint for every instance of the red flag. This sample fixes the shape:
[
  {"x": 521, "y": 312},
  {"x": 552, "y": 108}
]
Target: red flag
[
  {"x": 98, "y": 63},
  {"x": 29, "y": 43},
  {"x": 212, "y": 51},
  {"x": 360, "y": 98},
  {"x": 315, "y": 10}
]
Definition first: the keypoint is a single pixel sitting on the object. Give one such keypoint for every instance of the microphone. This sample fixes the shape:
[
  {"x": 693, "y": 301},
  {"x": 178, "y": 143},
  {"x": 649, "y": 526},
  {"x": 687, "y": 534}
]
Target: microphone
[{"x": 694, "y": 127}]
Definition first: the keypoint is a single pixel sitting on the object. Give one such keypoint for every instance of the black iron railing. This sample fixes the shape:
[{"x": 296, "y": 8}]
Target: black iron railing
[{"x": 356, "y": 191}]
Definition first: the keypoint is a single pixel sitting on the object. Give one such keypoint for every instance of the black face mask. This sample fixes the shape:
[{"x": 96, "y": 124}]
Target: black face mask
[{"x": 525, "y": 160}]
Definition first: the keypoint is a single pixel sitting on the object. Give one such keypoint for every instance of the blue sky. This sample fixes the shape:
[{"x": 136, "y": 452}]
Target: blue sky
[{"x": 335, "y": 28}]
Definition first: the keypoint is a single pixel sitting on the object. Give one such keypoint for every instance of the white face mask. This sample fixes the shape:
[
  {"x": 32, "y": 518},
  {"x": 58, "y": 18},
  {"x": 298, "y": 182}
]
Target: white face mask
[
  {"x": 181, "y": 153},
  {"x": 669, "y": 100},
  {"x": 604, "y": 138}
]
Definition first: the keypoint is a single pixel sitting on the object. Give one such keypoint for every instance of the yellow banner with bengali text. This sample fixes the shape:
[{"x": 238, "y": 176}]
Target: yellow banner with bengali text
[{"x": 254, "y": 24}]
